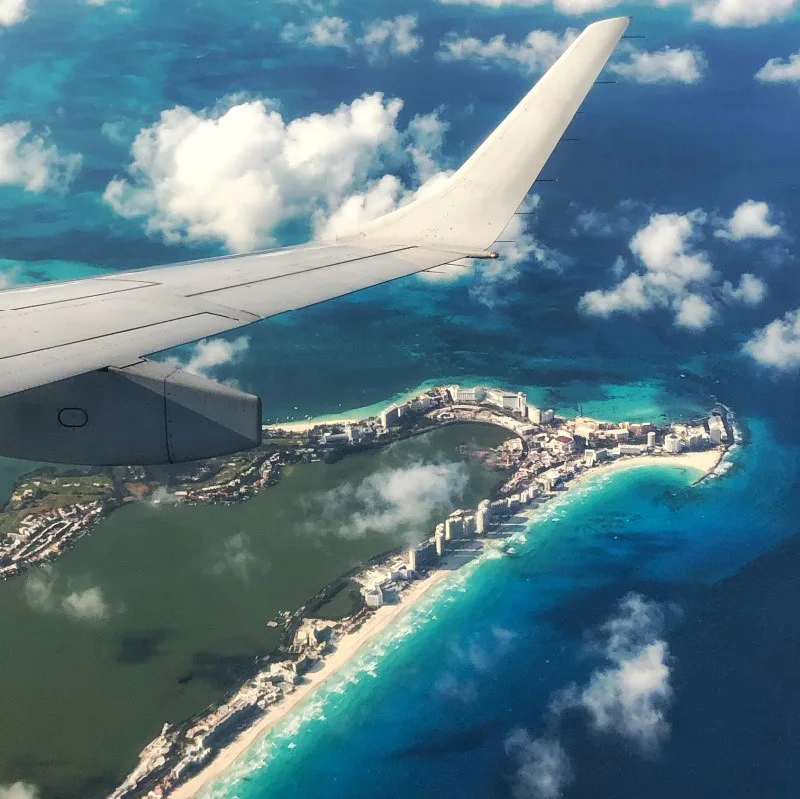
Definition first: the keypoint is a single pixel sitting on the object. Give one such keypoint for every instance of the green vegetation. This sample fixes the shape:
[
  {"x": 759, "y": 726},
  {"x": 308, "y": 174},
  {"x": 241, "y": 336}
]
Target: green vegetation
[{"x": 40, "y": 493}]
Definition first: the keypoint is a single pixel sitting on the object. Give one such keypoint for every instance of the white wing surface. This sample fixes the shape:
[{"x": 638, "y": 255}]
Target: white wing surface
[{"x": 55, "y": 331}]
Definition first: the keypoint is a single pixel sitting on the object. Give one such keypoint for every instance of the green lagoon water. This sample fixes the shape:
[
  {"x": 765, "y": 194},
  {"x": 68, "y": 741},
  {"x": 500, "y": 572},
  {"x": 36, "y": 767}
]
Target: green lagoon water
[{"x": 189, "y": 591}]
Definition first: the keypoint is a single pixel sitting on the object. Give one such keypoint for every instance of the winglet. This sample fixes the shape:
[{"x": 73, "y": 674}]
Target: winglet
[{"x": 477, "y": 202}]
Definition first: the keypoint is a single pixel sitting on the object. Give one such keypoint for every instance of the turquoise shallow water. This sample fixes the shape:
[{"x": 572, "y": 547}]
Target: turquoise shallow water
[{"x": 427, "y": 707}]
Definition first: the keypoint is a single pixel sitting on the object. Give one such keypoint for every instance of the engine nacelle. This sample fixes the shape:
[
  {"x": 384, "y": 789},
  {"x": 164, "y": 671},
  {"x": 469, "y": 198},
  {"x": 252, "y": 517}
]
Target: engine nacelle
[{"x": 149, "y": 413}]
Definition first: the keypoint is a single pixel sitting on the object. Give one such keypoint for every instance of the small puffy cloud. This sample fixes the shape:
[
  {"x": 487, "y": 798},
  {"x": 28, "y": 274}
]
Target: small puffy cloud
[
  {"x": 87, "y": 605},
  {"x": 211, "y": 353},
  {"x": 542, "y": 768},
  {"x": 324, "y": 32},
  {"x": 750, "y": 291},
  {"x": 777, "y": 70},
  {"x": 665, "y": 245},
  {"x": 631, "y": 695},
  {"x": 676, "y": 275},
  {"x": 737, "y": 13},
  {"x": 778, "y": 344},
  {"x": 11, "y": 13},
  {"x": 534, "y": 54},
  {"x": 19, "y": 790},
  {"x": 693, "y": 312},
  {"x": 235, "y": 174},
  {"x": 29, "y": 161},
  {"x": 380, "y": 38},
  {"x": 390, "y": 499},
  {"x": 236, "y": 557},
  {"x": 396, "y": 36},
  {"x": 663, "y": 66},
  {"x": 41, "y": 593},
  {"x": 750, "y": 221},
  {"x": 632, "y": 295}
]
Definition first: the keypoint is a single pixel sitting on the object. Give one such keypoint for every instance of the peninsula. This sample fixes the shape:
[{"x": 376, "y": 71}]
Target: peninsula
[{"x": 545, "y": 455}]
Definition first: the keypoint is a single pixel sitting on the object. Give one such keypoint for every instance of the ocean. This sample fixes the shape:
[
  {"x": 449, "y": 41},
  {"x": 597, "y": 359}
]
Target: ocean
[
  {"x": 510, "y": 681},
  {"x": 430, "y": 707}
]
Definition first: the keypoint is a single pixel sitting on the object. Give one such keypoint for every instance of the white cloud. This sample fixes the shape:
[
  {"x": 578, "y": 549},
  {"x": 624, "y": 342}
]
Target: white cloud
[
  {"x": 211, "y": 353},
  {"x": 543, "y": 769},
  {"x": 630, "y": 697},
  {"x": 632, "y": 295},
  {"x": 750, "y": 221},
  {"x": 665, "y": 246},
  {"x": 750, "y": 291},
  {"x": 19, "y": 790},
  {"x": 777, "y": 70},
  {"x": 380, "y": 38},
  {"x": 389, "y": 499},
  {"x": 235, "y": 174},
  {"x": 538, "y": 51},
  {"x": 676, "y": 276},
  {"x": 29, "y": 161},
  {"x": 778, "y": 344},
  {"x": 396, "y": 36},
  {"x": 236, "y": 557},
  {"x": 721, "y": 13},
  {"x": 738, "y": 13},
  {"x": 663, "y": 66},
  {"x": 693, "y": 312},
  {"x": 324, "y": 32},
  {"x": 87, "y": 605},
  {"x": 41, "y": 594},
  {"x": 12, "y": 12}
]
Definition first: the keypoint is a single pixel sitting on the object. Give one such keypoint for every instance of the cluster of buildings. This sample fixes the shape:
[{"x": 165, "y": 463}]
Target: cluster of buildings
[
  {"x": 549, "y": 452},
  {"x": 241, "y": 485},
  {"x": 391, "y": 416},
  {"x": 43, "y": 535},
  {"x": 508, "y": 401}
]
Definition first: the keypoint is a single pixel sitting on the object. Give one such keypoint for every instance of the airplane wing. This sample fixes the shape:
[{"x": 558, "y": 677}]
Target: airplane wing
[{"x": 58, "y": 331}]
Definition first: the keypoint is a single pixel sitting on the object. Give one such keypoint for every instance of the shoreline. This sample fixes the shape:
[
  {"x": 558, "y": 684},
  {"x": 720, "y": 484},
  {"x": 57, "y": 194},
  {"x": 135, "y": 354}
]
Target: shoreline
[
  {"x": 348, "y": 646},
  {"x": 346, "y": 649}
]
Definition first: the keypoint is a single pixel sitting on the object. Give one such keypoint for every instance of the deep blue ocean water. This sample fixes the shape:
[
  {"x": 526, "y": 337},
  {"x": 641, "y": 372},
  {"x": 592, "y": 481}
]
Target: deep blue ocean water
[{"x": 428, "y": 713}]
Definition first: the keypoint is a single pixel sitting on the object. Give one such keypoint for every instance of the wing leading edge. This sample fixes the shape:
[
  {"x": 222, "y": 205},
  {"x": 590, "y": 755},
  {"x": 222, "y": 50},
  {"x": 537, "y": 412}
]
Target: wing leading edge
[{"x": 55, "y": 331}]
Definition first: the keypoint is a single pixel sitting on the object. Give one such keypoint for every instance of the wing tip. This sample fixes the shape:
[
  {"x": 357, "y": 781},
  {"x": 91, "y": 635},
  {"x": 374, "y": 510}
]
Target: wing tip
[{"x": 610, "y": 22}]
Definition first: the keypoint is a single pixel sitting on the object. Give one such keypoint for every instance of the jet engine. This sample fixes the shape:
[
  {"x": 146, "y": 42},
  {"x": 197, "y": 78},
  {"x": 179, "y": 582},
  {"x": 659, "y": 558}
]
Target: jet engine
[{"x": 147, "y": 413}]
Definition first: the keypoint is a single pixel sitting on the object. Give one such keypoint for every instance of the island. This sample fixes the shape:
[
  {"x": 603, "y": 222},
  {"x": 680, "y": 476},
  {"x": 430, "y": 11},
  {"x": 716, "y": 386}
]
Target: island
[{"x": 544, "y": 455}]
